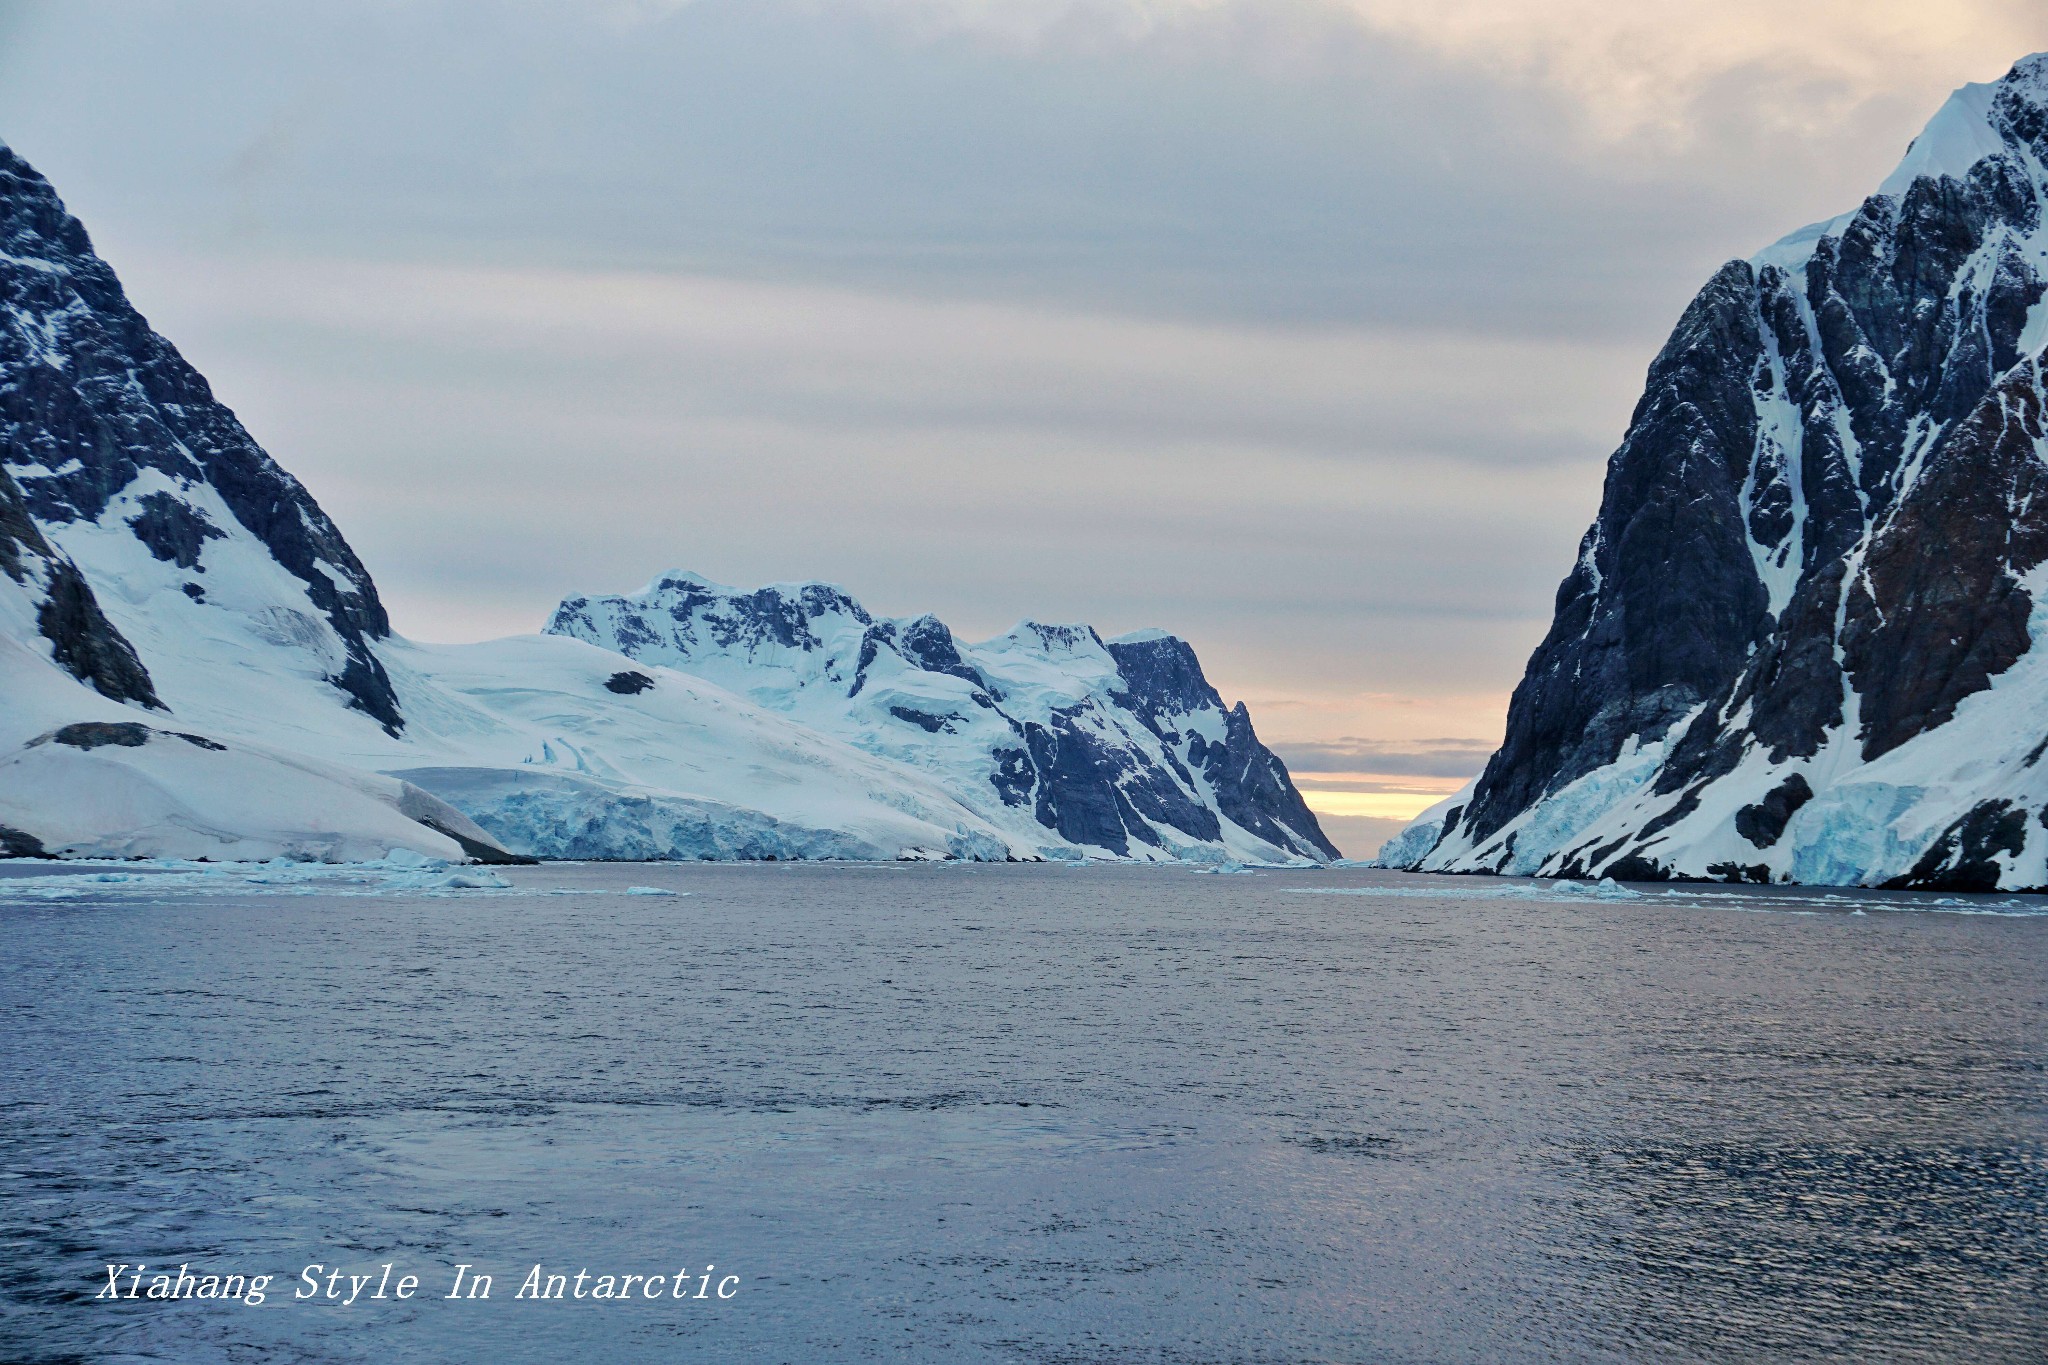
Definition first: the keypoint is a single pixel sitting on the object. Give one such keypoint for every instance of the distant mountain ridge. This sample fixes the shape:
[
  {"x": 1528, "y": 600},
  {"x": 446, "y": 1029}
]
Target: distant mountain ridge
[
  {"x": 1798, "y": 643},
  {"x": 1118, "y": 746}
]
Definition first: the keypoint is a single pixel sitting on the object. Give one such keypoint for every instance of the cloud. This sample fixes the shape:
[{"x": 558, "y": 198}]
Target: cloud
[
  {"x": 1629, "y": 67},
  {"x": 1286, "y": 161},
  {"x": 1289, "y": 500},
  {"x": 850, "y": 362},
  {"x": 1443, "y": 758}
]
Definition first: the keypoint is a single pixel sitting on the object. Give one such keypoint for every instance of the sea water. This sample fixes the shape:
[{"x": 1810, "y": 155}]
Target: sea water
[{"x": 1034, "y": 1113}]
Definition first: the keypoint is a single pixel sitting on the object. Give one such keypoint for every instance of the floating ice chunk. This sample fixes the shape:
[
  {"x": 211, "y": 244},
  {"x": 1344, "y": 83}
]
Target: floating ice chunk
[
  {"x": 472, "y": 881},
  {"x": 1606, "y": 889},
  {"x": 406, "y": 857},
  {"x": 651, "y": 891}
]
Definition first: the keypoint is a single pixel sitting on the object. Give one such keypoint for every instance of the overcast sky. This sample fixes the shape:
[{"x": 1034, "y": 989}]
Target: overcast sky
[{"x": 1301, "y": 328}]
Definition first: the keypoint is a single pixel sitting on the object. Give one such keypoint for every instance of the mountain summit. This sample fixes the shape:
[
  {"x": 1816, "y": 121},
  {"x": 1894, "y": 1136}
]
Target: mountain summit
[{"x": 1798, "y": 642}]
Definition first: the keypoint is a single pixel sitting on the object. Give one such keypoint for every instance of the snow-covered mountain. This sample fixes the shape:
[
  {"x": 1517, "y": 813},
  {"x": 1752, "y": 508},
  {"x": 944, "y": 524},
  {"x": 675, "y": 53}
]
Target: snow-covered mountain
[
  {"x": 1799, "y": 640},
  {"x": 194, "y": 663},
  {"x": 1059, "y": 738}
]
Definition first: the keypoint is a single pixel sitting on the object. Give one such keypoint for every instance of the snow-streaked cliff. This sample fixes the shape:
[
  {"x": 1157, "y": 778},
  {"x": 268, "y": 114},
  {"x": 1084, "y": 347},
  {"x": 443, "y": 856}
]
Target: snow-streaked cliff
[{"x": 1798, "y": 643}]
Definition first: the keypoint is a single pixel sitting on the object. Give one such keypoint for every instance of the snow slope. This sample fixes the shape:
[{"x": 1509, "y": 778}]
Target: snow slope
[
  {"x": 523, "y": 735},
  {"x": 82, "y": 775}
]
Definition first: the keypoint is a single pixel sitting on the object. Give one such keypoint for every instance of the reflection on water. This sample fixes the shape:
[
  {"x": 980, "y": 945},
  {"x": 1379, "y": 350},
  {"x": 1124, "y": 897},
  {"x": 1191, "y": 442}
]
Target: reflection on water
[{"x": 1029, "y": 1113}]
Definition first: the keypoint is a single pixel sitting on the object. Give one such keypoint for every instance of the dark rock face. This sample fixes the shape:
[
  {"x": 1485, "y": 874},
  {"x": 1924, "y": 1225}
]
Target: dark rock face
[
  {"x": 16, "y": 844},
  {"x": 927, "y": 643},
  {"x": 1814, "y": 534},
  {"x": 1965, "y": 857},
  {"x": 119, "y": 734},
  {"x": 1014, "y": 776},
  {"x": 1128, "y": 747},
  {"x": 1081, "y": 794},
  {"x": 82, "y": 641},
  {"x": 98, "y": 734},
  {"x": 1925, "y": 630},
  {"x": 85, "y": 643},
  {"x": 173, "y": 530},
  {"x": 91, "y": 399},
  {"x": 925, "y": 720},
  {"x": 1252, "y": 786},
  {"x": 1763, "y": 823},
  {"x": 628, "y": 684}
]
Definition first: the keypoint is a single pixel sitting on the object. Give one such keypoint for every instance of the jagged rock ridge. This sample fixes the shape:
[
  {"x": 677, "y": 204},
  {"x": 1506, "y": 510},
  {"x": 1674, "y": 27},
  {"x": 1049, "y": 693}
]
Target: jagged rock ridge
[{"x": 1797, "y": 643}]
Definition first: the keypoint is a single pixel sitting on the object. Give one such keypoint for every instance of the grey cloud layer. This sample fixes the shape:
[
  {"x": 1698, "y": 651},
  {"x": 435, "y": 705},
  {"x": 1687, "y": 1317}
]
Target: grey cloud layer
[
  {"x": 554, "y": 431},
  {"x": 1414, "y": 758},
  {"x": 803, "y": 139}
]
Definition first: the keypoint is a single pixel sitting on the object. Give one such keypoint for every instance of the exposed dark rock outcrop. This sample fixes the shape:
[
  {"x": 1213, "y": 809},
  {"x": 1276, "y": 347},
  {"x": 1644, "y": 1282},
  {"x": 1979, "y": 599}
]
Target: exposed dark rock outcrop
[
  {"x": 173, "y": 530},
  {"x": 16, "y": 844},
  {"x": 1966, "y": 856},
  {"x": 97, "y": 734},
  {"x": 119, "y": 734},
  {"x": 1763, "y": 823},
  {"x": 82, "y": 641},
  {"x": 1163, "y": 679}
]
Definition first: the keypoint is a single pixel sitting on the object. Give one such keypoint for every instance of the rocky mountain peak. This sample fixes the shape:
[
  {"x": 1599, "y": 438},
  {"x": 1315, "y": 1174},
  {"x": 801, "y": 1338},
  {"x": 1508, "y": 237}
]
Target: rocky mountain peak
[
  {"x": 113, "y": 439},
  {"x": 1814, "y": 552}
]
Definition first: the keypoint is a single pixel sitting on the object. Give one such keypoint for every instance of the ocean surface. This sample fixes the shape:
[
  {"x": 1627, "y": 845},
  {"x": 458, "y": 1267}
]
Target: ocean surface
[{"x": 1020, "y": 1114}]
